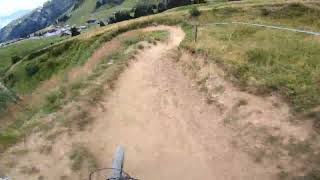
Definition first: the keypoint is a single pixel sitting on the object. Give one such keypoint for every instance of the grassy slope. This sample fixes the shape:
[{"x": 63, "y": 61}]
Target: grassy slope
[
  {"x": 268, "y": 60},
  {"x": 87, "y": 10},
  {"x": 70, "y": 92},
  {"x": 264, "y": 59},
  {"x": 259, "y": 11},
  {"x": 46, "y": 63},
  {"x": 83, "y": 13},
  {"x": 58, "y": 58},
  {"x": 126, "y": 5},
  {"x": 22, "y": 49}
]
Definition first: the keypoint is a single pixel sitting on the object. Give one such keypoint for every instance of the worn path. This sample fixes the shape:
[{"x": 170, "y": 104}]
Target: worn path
[{"x": 166, "y": 126}]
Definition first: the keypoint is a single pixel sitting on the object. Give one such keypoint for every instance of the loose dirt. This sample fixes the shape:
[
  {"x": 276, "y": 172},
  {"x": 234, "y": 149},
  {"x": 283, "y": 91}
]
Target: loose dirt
[{"x": 166, "y": 126}]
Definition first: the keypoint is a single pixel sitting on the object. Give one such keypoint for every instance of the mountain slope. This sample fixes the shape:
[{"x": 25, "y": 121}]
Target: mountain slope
[
  {"x": 79, "y": 12},
  {"x": 4, "y": 20},
  {"x": 36, "y": 20}
]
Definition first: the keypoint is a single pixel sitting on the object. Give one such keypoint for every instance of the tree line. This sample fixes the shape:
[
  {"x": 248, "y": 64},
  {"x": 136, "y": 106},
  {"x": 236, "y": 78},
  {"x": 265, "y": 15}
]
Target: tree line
[{"x": 144, "y": 9}]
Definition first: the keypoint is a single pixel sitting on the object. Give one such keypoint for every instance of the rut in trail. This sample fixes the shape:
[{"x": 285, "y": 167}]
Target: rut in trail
[{"x": 166, "y": 126}]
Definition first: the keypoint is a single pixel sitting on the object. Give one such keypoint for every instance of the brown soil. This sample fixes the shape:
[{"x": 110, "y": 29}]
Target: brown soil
[{"x": 166, "y": 126}]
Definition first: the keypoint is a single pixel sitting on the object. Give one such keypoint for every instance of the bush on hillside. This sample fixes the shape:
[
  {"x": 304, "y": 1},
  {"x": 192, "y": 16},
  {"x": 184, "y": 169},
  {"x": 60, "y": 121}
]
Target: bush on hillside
[
  {"x": 98, "y": 4},
  {"x": 74, "y": 31},
  {"x": 265, "y": 12},
  {"x": 102, "y": 24},
  {"x": 64, "y": 18},
  {"x": 194, "y": 12},
  {"x": 9, "y": 80},
  {"x": 122, "y": 16},
  {"x": 31, "y": 69},
  {"x": 199, "y": 1},
  {"x": 143, "y": 10},
  {"x": 111, "y": 20},
  {"x": 161, "y": 7},
  {"x": 154, "y": 6},
  {"x": 176, "y": 3},
  {"x": 6, "y": 96},
  {"x": 15, "y": 59}
]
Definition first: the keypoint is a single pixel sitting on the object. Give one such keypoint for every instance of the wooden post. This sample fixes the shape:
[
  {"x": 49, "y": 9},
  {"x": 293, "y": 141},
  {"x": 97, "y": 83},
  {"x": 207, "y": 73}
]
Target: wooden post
[{"x": 196, "y": 34}]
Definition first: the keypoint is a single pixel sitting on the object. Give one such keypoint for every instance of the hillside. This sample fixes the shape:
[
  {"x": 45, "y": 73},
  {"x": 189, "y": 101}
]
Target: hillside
[
  {"x": 222, "y": 90},
  {"x": 36, "y": 20},
  {"x": 78, "y": 11},
  {"x": 4, "y": 20},
  {"x": 88, "y": 10}
]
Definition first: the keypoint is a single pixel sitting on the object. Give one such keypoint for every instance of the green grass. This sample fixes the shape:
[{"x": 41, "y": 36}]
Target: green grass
[
  {"x": 82, "y": 13},
  {"x": 157, "y": 36},
  {"x": 297, "y": 15},
  {"x": 265, "y": 60},
  {"x": 22, "y": 49},
  {"x": 87, "y": 10},
  {"x": 54, "y": 100},
  {"x": 7, "y": 139},
  {"x": 142, "y": 36},
  {"x": 42, "y": 65},
  {"x": 6, "y": 97}
]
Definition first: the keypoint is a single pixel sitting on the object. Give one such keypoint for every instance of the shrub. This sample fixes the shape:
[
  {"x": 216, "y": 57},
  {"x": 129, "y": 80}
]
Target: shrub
[
  {"x": 15, "y": 59},
  {"x": 98, "y": 4},
  {"x": 194, "y": 12},
  {"x": 176, "y": 3},
  {"x": 6, "y": 139},
  {"x": 111, "y": 20},
  {"x": 10, "y": 80},
  {"x": 54, "y": 100},
  {"x": 31, "y": 69},
  {"x": 5, "y": 98},
  {"x": 74, "y": 31},
  {"x": 265, "y": 12},
  {"x": 199, "y": 1},
  {"x": 102, "y": 24},
  {"x": 154, "y": 6},
  {"x": 122, "y": 16},
  {"x": 161, "y": 7},
  {"x": 143, "y": 10},
  {"x": 64, "y": 18}
]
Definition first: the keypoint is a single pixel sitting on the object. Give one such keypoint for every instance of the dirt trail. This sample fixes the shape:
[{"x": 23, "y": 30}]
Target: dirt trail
[{"x": 166, "y": 126}]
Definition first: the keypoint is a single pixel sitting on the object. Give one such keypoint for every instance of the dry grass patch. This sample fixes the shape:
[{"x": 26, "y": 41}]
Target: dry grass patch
[{"x": 81, "y": 157}]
